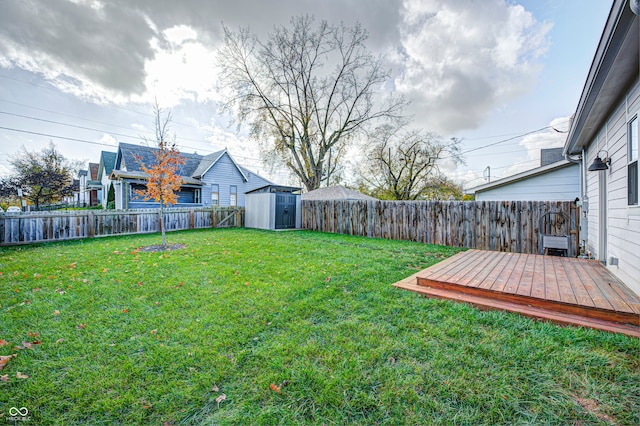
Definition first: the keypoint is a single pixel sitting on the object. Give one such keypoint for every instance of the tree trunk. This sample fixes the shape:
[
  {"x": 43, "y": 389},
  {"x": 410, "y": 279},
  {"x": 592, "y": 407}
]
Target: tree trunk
[{"x": 164, "y": 236}]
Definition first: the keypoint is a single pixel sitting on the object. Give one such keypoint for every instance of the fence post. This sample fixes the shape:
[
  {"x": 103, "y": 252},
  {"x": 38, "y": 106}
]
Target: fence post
[{"x": 91, "y": 224}]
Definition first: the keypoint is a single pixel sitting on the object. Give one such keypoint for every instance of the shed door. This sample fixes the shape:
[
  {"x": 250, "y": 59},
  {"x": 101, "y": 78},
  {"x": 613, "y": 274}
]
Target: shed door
[{"x": 285, "y": 211}]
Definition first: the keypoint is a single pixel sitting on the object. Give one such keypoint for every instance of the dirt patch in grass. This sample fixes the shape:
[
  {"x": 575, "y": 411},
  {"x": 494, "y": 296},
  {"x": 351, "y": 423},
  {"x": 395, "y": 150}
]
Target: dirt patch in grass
[
  {"x": 593, "y": 408},
  {"x": 159, "y": 247}
]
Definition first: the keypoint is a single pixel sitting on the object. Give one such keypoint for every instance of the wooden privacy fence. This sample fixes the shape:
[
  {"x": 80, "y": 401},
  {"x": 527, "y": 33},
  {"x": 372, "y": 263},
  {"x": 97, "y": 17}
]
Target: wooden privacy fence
[
  {"x": 490, "y": 225},
  {"x": 54, "y": 226}
]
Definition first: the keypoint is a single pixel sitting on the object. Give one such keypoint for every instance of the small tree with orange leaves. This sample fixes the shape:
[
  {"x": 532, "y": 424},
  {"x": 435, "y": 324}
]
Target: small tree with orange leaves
[{"x": 163, "y": 178}]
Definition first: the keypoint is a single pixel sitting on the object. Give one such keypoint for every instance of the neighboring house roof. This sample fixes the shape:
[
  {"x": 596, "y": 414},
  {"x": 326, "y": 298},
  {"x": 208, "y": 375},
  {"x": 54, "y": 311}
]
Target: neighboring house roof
[
  {"x": 206, "y": 162},
  {"x": 107, "y": 163},
  {"x": 195, "y": 166},
  {"x": 337, "y": 192},
  {"x": 134, "y": 155},
  {"x": 614, "y": 67},
  {"x": 520, "y": 176},
  {"x": 93, "y": 171},
  {"x": 142, "y": 176},
  {"x": 82, "y": 173}
]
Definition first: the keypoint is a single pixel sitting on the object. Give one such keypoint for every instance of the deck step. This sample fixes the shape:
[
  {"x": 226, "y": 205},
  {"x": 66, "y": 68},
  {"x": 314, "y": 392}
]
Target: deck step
[
  {"x": 489, "y": 301},
  {"x": 547, "y": 304}
]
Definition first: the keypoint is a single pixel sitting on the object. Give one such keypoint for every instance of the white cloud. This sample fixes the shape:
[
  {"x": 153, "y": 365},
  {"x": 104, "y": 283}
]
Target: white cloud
[
  {"x": 108, "y": 139},
  {"x": 462, "y": 59}
]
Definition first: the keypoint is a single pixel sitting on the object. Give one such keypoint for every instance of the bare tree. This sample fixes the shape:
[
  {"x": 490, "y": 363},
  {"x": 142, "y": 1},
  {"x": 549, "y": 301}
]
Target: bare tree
[
  {"x": 306, "y": 92},
  {"x": 403, "y": 165}
]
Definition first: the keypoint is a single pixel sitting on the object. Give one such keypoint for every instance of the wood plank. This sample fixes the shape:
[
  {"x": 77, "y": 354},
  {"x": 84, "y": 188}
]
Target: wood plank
[
  {"x": 538, "y": 280},
  {"x": 460, "y": 267},
  {"x": 476, "y": 275},
  {"x": 495, "y": 272},
  {"x": 486, "y": 271},
  {"x": 564, "y": 286},
  {"x": 580, "y": 291},
  {"x": 604, "y": 297},
  {"x": 514, "y": 280},
  {"x": 444, "y": 264},
  {"x": 526, "y": 281},
  {"x": 608, "y": 284},
  {"x": 502, "y": 280},
  {"x": 458, "y": 261}
]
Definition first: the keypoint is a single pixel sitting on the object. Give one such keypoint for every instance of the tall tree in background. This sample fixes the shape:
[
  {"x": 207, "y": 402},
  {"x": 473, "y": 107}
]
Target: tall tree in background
[
  {"x": 45, "y": 176},
  {"x": 163, "y": 178},
  {"x": 403, "y": 165},
  {"x": 306, "y": 91}
]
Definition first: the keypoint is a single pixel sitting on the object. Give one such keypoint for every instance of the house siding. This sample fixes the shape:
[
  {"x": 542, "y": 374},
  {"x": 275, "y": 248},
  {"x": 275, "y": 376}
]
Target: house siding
[
  {"x": 622, "y": 221},
  {"x": 225, "y": 174},
  {"x": 556, "y": 185}
]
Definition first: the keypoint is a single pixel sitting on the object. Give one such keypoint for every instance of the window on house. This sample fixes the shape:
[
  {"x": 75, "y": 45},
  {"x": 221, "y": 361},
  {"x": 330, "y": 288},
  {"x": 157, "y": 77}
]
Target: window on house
[
  {"x": 215, "y": 195},
  {"x": 632, "y": 168},
  {"x": 233, "y": 195}
]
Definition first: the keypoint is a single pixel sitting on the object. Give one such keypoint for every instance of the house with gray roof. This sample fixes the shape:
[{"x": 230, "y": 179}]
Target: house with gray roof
[{"x": 207, "y": 180}]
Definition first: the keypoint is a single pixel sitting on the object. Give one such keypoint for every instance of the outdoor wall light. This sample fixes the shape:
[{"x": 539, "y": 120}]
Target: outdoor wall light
[{"x": 599, "y": 164}]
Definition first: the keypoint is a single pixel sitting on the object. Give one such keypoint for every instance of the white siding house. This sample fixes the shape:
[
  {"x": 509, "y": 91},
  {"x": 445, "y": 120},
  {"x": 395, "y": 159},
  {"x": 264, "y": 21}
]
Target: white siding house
[
  {"x": 605, "y": 125},
  {"x": 558, "y": 181}
]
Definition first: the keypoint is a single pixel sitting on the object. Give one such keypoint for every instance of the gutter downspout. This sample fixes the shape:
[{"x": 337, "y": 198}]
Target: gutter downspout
[{"x": 583, "y": 203}]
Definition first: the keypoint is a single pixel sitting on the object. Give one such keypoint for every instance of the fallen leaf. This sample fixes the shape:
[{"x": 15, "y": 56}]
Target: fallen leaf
[
  {"x": 125, "y": 310},
  {"x": 5, "y": 359},
  {"x": 105, "y": 270},
  {"x": 215, "y": 388},
  {"x": 25, "y": 345},
  {"x": 274, "y": 387},
  {"x": 34, "y": 334},
  {"x": 3, "y": 343},
  {"x": 59, "y": 340},
  {"x": 36, "y": 342},
  {"x": 327, "y": 279},
  {"x": 221, "y": 398},
  {"x": 4, "y": 378},
  {"x": 19, "y": 375},
  {"x": 56, "y": 312},
  {"x": 247, "y": 283},
  {"x": 81, "y": 326},
  {"x": 154, "y": 332}
]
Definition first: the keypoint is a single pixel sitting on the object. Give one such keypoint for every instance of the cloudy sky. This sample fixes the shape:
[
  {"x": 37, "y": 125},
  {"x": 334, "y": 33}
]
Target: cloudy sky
[{"x": 84, "y": 73}]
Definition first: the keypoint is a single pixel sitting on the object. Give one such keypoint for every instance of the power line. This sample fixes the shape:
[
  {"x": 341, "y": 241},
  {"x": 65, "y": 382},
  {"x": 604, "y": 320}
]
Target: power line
[
  {"x": 104, "y": 144},
  {"x": 111, "y": 106}
]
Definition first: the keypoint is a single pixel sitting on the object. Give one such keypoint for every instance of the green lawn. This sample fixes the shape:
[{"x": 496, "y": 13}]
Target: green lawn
[{"x": 130, "y": 338}]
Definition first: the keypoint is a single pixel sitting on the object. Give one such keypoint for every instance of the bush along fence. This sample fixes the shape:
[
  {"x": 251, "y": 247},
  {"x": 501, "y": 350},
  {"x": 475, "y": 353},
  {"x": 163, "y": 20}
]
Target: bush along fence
[
  {"x": 55, "y": 226},
  {"x": 512, "y": 226}
]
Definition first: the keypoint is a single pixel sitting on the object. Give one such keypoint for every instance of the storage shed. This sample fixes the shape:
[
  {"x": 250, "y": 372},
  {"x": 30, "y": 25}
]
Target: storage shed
[{"x": 273, "y": 207}]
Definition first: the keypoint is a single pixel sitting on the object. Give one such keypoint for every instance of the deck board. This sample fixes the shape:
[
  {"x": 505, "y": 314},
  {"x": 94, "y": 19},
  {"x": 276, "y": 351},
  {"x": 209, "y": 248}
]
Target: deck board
[{"x": 581, "y": 289}]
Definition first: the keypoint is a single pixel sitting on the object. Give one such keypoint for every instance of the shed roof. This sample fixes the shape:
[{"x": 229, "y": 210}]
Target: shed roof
[{"x": 337, "y": 192}]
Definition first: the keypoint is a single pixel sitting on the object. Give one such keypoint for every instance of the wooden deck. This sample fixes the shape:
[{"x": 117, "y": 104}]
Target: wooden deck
[{"x": 559, "y": 289}]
